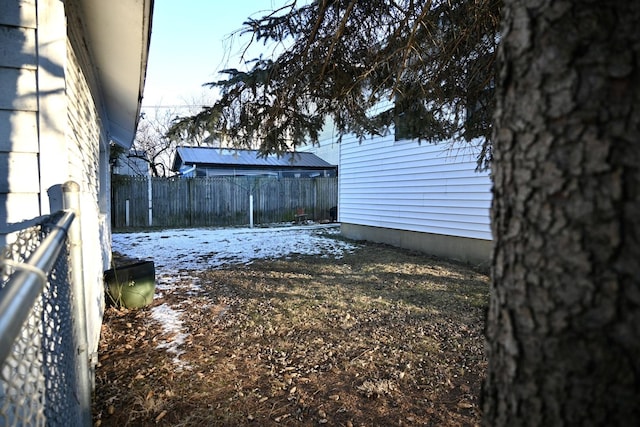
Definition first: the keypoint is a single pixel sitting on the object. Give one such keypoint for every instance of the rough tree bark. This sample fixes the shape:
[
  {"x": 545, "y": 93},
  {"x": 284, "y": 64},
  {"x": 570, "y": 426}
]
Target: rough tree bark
[{"x": 563, "y": 329}]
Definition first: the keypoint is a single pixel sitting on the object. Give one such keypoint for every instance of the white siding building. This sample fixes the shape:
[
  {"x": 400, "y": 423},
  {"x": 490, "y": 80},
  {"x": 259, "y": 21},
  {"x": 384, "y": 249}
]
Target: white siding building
[
  {"x": 426, "y": 197},
  {"x": 328, "y": 149},
  {"x": 71, "y": 79},
  {"x": 419, "y": 196}
]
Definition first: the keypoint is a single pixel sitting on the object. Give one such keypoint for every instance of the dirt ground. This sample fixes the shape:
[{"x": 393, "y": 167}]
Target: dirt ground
[{"x": 380, "y": 337}]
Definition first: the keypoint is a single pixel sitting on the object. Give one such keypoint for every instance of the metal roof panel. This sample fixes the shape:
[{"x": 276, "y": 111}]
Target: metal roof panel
[{"x": 232, "y": 157}]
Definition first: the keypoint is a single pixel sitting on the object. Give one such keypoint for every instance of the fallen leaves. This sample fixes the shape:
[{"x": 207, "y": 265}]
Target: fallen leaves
[{"x": 382, "y": 337}]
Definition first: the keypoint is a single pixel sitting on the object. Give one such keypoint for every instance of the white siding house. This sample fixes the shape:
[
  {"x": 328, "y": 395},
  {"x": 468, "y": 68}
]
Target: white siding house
[
  {"x": 419, "y": 196},
  {"x": 426, "y": 197},
  {"x": 328, "y": 148},
  {"x": 71, "y": 79}
]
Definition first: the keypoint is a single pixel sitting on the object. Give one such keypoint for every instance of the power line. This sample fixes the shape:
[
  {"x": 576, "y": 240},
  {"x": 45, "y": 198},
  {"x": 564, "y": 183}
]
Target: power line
[{"x": 174, "y": 106}]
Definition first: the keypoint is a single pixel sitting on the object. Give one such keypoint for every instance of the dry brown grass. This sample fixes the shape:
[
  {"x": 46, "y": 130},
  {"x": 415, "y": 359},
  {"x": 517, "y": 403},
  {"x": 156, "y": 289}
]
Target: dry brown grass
[{"x": 381, "y": 337}]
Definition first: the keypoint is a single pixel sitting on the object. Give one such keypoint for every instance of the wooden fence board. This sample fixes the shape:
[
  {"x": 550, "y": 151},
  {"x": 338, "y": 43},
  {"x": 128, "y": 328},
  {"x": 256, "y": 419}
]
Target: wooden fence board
[{"x": 219, "y": 201}]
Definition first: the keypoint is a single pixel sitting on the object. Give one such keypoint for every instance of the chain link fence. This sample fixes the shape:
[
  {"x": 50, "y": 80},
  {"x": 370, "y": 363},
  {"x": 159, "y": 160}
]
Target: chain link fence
[{"x": 41, "y": 357}]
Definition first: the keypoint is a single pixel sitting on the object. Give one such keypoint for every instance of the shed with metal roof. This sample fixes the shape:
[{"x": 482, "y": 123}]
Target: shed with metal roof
[{"x": 210, "y": 161}]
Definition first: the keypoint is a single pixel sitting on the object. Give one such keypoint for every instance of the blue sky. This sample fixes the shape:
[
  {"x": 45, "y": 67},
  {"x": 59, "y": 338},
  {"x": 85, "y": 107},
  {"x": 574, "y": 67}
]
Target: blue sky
[{"x": 189, "y": 45}]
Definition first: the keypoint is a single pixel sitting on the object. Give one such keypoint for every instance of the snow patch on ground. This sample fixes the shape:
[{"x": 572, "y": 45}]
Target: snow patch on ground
[
  {"x": 177, "y": 252},
  {"x": 172, "y": 326},
  {"x": 199, "y": 249}
]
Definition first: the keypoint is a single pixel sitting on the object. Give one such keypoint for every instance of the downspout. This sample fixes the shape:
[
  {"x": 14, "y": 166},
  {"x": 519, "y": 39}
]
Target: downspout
[{"x": 71, "y": 201}]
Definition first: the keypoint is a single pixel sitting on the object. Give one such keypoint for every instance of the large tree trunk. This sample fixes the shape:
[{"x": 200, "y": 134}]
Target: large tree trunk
[{"x": 563, "y": 329}]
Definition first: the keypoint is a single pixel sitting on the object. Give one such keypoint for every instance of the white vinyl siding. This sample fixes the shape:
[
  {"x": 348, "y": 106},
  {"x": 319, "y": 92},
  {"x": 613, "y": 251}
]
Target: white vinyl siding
[
  {"x": 405, "y": 185},
  {"x": 19, "y": 185},
  {"x": 328, "y": 148},
  {"x": 54, "y": 122},
  {"x": 85, "y": 135}
]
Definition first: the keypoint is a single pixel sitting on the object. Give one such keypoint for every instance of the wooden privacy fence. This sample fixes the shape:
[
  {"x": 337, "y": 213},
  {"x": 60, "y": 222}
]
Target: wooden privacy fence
[{"x": 218, "y": 201}]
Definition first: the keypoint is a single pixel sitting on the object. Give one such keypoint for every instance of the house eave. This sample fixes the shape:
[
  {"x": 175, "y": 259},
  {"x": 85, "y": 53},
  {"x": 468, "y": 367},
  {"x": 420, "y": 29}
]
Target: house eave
[{"x": 118, "y": 35}]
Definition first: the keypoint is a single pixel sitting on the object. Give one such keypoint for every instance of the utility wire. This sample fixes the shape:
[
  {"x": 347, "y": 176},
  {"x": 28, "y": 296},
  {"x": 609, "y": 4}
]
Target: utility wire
[{"x": 173, "y": 106}]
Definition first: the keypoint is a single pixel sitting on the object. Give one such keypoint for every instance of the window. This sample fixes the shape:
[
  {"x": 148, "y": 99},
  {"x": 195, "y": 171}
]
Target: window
[
  {"x": 409, "y": 119},
  {"x": 414, "y": 120}
]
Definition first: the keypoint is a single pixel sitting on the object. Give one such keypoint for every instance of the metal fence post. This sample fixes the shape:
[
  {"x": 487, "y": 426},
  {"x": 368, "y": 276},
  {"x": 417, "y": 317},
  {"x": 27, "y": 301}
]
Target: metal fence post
[
  {"x": 71, "y": 201},
  {"x": 251, "y": 210},
  {"x": 150, "y": 199}
]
